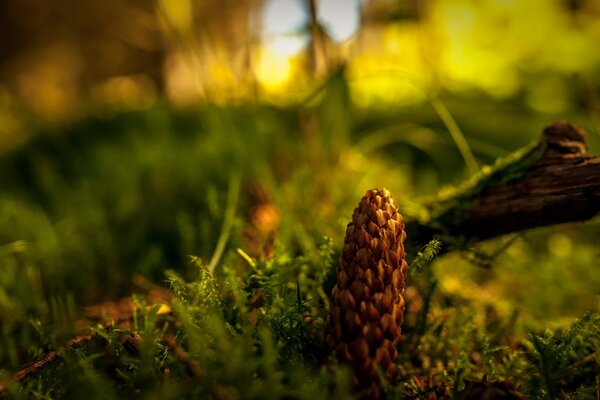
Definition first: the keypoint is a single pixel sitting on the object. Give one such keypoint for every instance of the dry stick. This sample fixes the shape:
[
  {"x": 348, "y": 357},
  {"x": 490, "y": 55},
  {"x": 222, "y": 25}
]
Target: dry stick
[
  {"x": 575, "y": 366},
  {"x": 561, "y": 185},
  {"x": 46, "y": 360},
  {"x": 49, "y": 358},
  {"x": 192, "y": 366},
  {"x": 122, "y": 316}
]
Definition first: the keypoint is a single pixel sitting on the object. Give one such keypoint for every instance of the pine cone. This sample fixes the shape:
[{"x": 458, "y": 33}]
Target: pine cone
[{"x": 367, "y": 303}]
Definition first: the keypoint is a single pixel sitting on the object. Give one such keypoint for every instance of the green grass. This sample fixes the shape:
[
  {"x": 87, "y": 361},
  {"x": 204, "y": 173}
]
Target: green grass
[{"x": 85, "y": 208}]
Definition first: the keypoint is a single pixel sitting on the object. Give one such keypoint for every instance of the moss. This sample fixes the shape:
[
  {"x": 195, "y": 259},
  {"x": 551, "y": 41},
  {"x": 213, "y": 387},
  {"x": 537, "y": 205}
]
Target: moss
[
  {"x": 82, "y": 213},
  {"x": 452, "y": 205}
]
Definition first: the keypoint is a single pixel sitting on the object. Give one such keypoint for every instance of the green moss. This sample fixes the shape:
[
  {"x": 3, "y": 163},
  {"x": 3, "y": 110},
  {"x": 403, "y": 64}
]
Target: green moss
[
  {"x": 84, "y": 211},
  {"x": 452, "y": 205}
]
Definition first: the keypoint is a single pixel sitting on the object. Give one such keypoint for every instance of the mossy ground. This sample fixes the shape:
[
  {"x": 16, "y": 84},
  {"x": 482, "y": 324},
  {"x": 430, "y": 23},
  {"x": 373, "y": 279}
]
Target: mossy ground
[{"x": 85, "y": 210}]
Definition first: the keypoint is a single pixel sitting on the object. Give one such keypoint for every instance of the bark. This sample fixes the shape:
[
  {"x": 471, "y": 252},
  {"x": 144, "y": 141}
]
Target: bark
[{"x": 554, "y": 182}]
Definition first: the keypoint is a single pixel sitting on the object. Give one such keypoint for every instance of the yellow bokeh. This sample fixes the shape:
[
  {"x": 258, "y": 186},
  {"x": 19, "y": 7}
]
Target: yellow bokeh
[
  {"x": 275, "y": 70},
  {"x": 492, "y": 46},
  {"x": 395, "y": 71},
  {"x": 176, "y": 14}
]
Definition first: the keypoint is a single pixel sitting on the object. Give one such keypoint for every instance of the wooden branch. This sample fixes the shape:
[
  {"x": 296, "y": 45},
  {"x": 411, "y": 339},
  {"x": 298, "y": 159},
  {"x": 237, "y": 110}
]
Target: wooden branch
[
  {"x": 45, "y": 361},
  {"x": 106, "y": 315},
  {"x": 553, "y": 182}
]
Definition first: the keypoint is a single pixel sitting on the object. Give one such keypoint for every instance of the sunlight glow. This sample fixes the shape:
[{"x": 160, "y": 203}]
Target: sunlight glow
[
  {"x": 282, "y": 42},
  {"x": 282, "y": 17},
  {"x": 274, "y": 69},
  {"x": 177, "y": 13},
  {"x": 340, "y": 17},
  {"x": 288, "y": 45},
  {"x": 391, "y": 69}
]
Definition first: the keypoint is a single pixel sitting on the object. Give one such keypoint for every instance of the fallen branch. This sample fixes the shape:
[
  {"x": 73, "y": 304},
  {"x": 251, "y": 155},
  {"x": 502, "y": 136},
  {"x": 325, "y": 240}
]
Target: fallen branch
[
  {"x": 45, "y": 361},
  {"x": 551, "y": 182},
  {"x": 107, "y": 315}
]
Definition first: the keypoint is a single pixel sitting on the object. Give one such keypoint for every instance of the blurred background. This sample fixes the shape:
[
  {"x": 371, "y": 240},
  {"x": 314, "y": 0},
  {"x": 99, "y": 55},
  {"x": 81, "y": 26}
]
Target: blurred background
[
  {"x": 60, "y": 60},
  {"x": 135, "y": 134}
]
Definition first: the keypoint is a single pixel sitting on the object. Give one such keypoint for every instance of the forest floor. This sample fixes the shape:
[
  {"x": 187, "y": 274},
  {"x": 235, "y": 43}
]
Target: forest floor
[{"x": 169, "y": 254}]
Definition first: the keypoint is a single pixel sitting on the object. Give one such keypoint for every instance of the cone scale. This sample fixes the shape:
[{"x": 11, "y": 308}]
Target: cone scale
[{"x": 367, "y": 304}]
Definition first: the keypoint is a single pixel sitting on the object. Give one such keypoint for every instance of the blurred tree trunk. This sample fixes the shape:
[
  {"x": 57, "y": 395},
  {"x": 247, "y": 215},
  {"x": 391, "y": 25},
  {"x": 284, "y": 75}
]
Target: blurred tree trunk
[{"x": 318, "y": 52}]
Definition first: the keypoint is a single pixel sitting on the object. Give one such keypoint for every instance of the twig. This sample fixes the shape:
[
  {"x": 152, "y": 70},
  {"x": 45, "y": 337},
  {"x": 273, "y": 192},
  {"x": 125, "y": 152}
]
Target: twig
[
  {"x": 576, "y": 365},
  {"x": 119, "y": 313},
  {"x": 192, "y": 366},
  {"x": 46, "y": 360}
]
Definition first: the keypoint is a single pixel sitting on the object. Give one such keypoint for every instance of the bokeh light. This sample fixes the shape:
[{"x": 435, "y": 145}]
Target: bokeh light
[
  {"x": 341, "y": 18},
  {"x": 284, "y": 17}
]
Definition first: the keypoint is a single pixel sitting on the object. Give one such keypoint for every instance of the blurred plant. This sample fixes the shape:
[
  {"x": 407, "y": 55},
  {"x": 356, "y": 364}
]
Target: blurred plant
[{"x": 565, "y": 359}]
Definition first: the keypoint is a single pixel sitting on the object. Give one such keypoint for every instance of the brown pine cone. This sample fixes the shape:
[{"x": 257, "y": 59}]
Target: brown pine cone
[{"x": 367, "y": 303}]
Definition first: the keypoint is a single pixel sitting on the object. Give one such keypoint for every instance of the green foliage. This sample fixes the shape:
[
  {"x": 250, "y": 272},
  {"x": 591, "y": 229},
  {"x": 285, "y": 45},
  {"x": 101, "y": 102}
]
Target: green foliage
[
  {"x": 244, "y": 347},
  {"x": 84, "y": 210},
  {"x": 425, "y": 256},
  {"x": 565, "y": 359}
]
